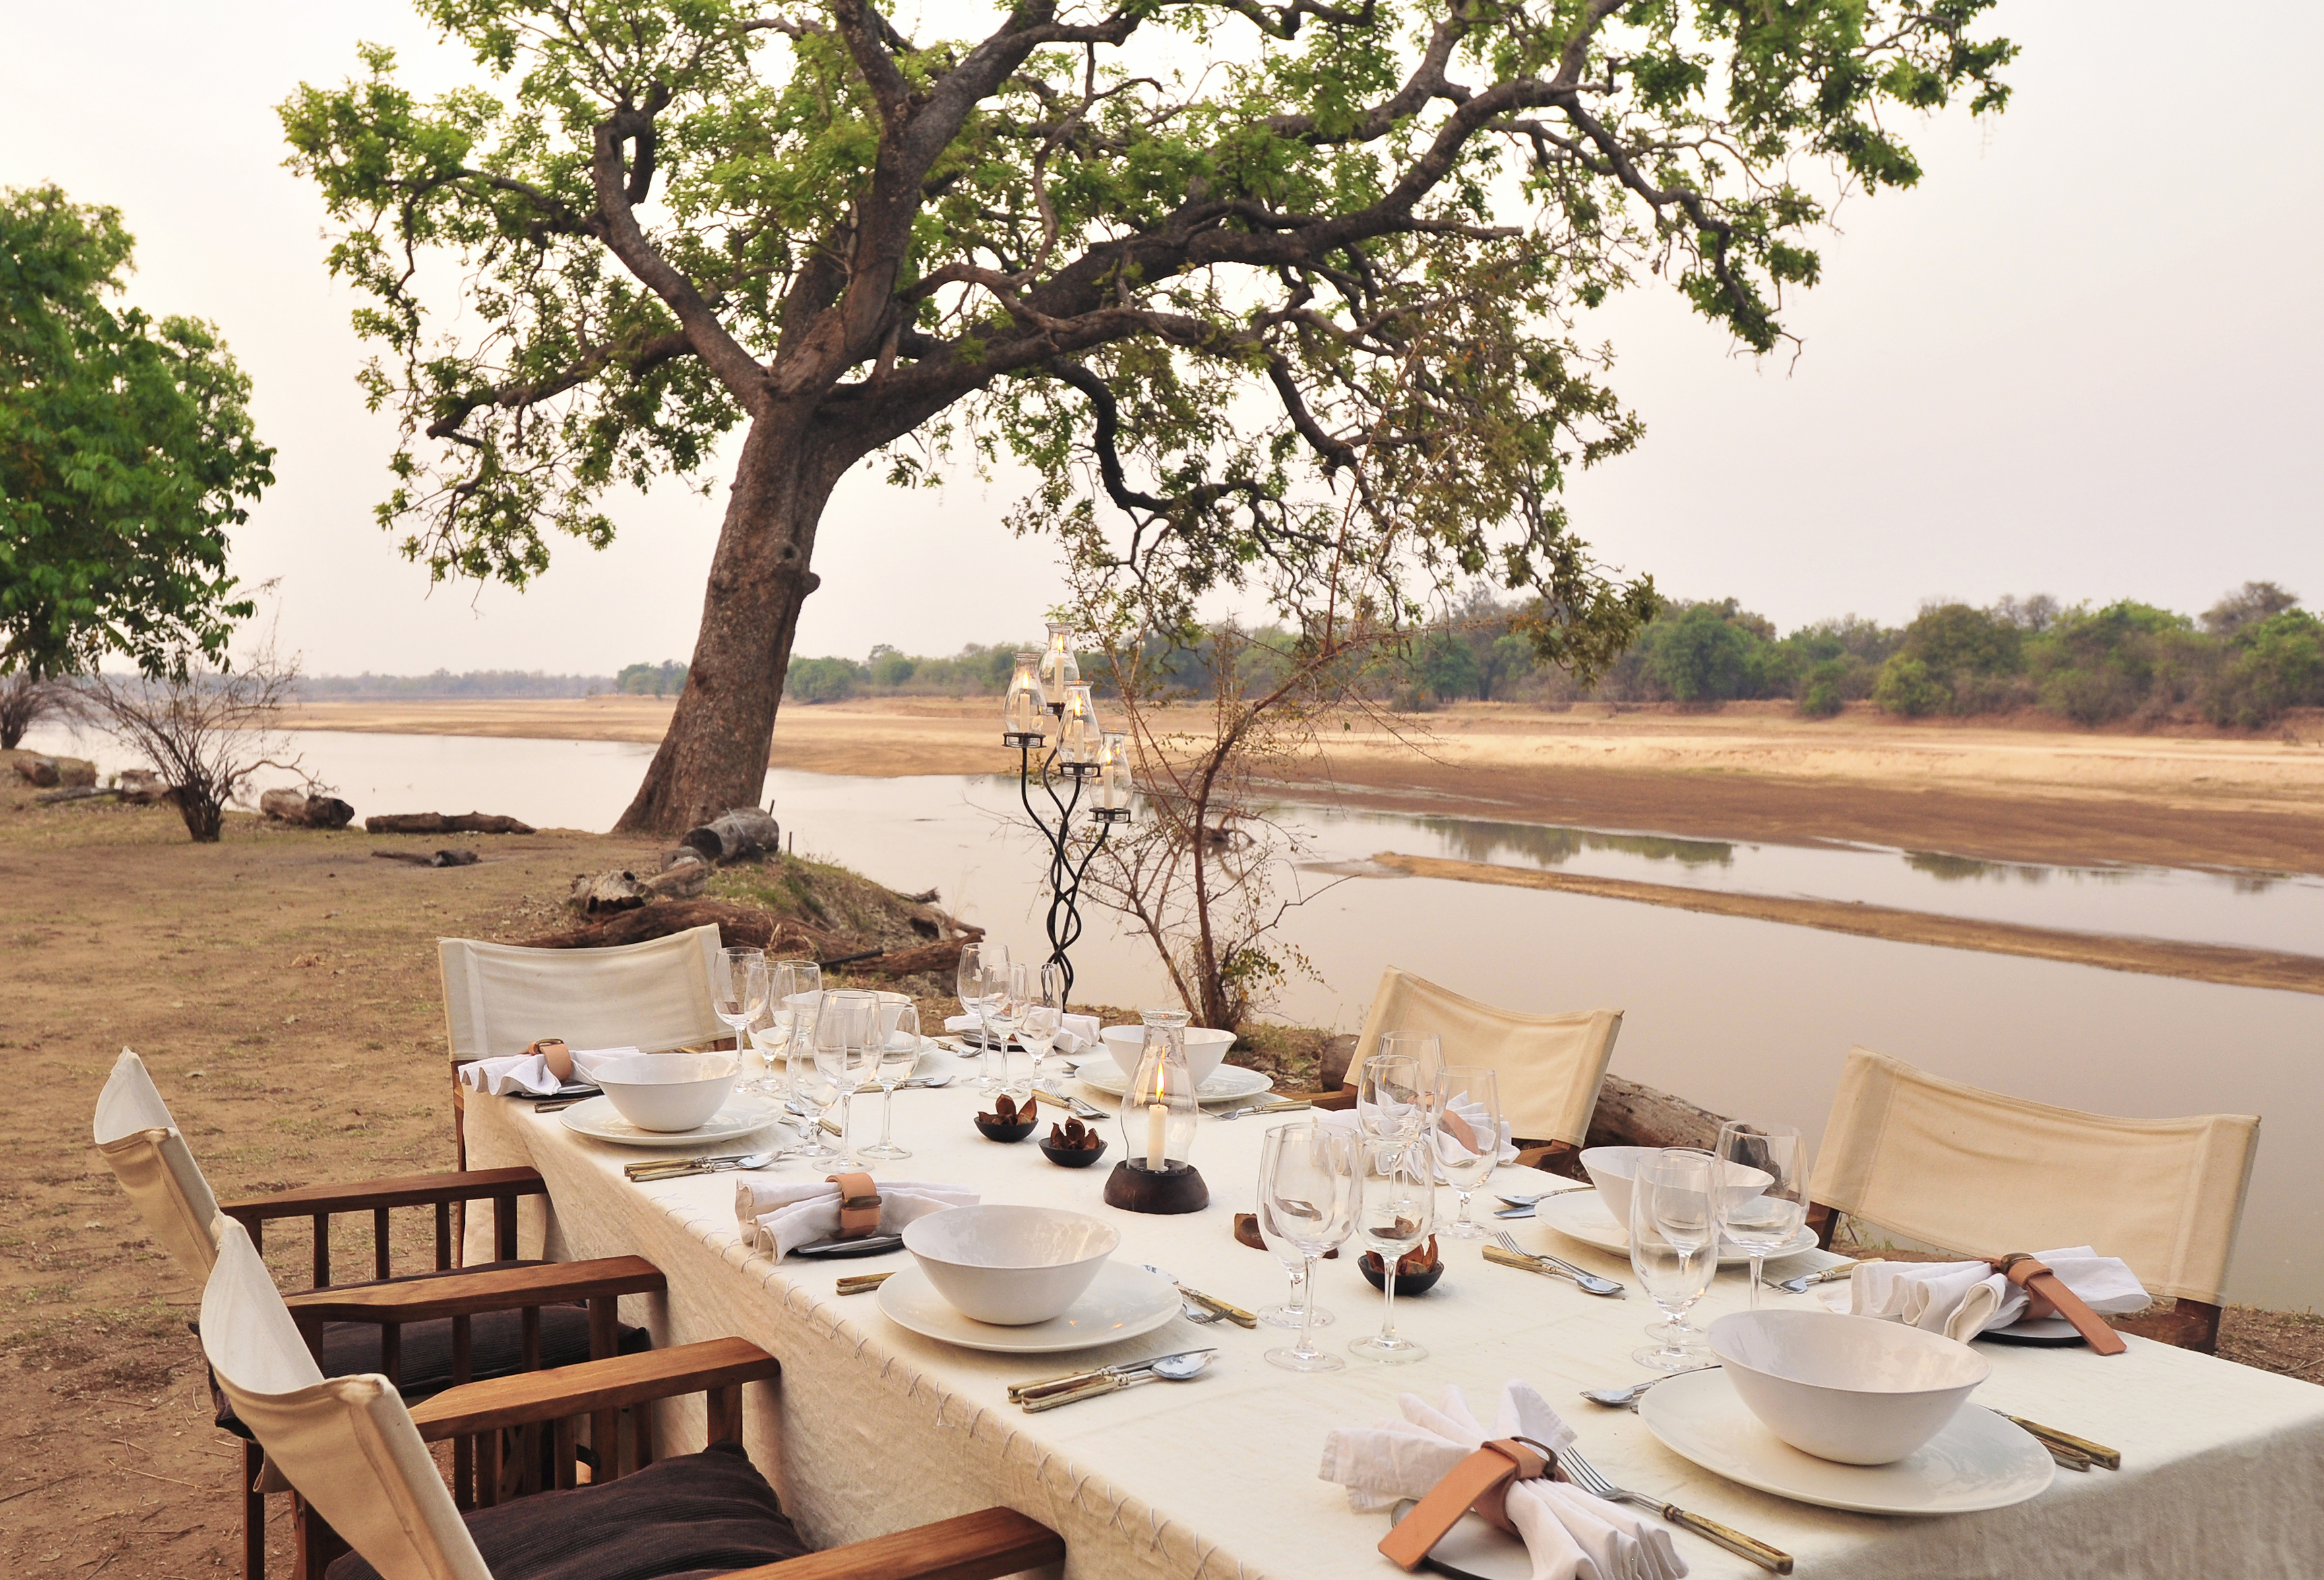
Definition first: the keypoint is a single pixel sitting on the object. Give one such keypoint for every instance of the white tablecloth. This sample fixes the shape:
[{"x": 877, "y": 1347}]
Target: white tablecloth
[{"x": 873, "y": 1428}]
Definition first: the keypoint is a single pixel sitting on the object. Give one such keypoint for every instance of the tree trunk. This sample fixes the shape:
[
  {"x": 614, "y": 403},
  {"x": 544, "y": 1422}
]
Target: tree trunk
[{"x": 715, "y": 754}]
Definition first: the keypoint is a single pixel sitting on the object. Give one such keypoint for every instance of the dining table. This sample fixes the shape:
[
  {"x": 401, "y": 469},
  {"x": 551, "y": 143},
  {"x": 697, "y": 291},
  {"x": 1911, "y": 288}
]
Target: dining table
[{"x": 871, "y": 1428}]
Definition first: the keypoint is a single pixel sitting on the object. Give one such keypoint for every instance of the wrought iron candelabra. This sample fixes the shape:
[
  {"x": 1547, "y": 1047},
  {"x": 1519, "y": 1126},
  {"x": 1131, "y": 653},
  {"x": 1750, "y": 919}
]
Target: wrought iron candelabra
[{"x": 1046, "y": 691}]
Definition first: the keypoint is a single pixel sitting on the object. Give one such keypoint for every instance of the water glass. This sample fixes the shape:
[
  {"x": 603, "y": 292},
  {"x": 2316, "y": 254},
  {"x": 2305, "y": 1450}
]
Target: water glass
[
  {"x": 1299, "y": 1309},
  {"x": 814, "y": 1093},
  {"x": 1391, "y": 1103},
  {"x": 976, "y": 962},
  {"x": 738, "y": 991},
  {"x": 1675, "y": 1247},
  {"x": 1467, "y": 1103},
  {"x": 897, "y": 1052},
  {"x": 1395, "y": 1203},
  {"x": 1769, "y": 1221},
  {"x": 1043, "y": 991},
  {"x": 1306, "y": 1201},
  {"x": 798, "y": 1002},
  {"x": 846, "y": 1032}
]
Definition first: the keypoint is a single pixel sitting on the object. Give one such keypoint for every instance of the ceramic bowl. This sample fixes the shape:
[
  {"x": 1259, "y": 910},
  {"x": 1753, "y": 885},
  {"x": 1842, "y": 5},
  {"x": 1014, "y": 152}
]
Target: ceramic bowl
[
  {"x": 1204, "y": 1049},
  {"x": 1009, "y": 1265},
  {"x": 1851, "y": 1388},
  {"x": 667, "y": 1091},
  {"x": 1611, "y": 1170}
]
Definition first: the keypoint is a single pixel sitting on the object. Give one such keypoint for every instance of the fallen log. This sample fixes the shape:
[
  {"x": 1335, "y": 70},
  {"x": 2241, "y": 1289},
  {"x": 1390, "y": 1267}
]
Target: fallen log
[
  {"x": 444, "y": 823},
  {"x": 683, "y": 879},
  {"x": 79, "y": 792},
  {"x": 442, "y": 858},
  {"x": 1632, "y": 1115},
  {"x": 738, "y": 834},
  {"x": 306, "y": 811},
  {"x": 40, "y": 772},
  {"x": 142, "y": 787},
  {"x": 740, "y": 927}
]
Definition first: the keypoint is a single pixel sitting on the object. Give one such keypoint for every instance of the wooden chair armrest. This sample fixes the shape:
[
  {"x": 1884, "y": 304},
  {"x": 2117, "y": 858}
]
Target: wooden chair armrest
[
  {"x": 588, "y": 1385},
  {"x": 409, "y": 1190},
  {"x": 983, "y": 1546},
  {"x": 548, "y": 1283},
  {"x": 1337, "y": 1102}
]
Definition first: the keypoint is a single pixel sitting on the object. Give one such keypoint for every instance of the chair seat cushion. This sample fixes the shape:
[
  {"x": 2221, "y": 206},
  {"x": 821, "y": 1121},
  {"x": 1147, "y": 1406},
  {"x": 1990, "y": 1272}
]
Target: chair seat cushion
[{"x": 684, "y": 1518}]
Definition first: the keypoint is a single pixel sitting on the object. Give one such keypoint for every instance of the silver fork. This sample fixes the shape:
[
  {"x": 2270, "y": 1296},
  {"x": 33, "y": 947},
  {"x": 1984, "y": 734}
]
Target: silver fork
[
  {"x": 1586, "y": 1476},
  {"x": 1081, "y": 1110},
  {"x": 1589, "y": 1282}
]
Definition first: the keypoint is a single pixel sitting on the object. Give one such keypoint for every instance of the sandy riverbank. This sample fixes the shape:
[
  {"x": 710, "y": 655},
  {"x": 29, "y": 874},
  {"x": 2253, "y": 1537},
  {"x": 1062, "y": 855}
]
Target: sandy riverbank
[{"x": 1749, "y": 771}]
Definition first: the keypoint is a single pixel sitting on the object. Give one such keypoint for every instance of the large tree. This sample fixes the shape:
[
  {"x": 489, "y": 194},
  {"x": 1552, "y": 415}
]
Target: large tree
[
  {"x": 1220, "y": 270},
  {"x": 126, "y": 452}
]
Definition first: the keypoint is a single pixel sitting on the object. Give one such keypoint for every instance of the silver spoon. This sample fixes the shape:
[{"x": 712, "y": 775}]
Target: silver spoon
[{"x": 1626, "y": 1399}]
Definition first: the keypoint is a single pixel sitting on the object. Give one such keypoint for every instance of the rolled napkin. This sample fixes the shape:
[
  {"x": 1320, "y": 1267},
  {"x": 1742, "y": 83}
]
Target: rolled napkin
[
  {"x": 1961, "y": 1299},
  {"x": 1568, "y": 1534},
  {"x": 529, "y": 1073},
  {"x": 1079, "y": 1031},
  {"x": 1457, "y": 1128},
  {"x": 778, "y": 1218}
]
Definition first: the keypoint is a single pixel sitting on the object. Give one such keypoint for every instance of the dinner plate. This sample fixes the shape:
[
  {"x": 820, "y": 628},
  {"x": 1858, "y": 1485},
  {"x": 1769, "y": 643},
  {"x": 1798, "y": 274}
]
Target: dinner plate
[
  {"x": 744, "y": 1114},
  {"x": 1581, "y": 1215},
  {"x": 1229, "y": 1083},
  {"x": 1120, "y": 1303},
  {"x": 869, "y": 1245},
  {"x": 1472, "y": 1549},
  {"x": 1979, "y": 1461},
  {"x": 2054, "y": 1332}
]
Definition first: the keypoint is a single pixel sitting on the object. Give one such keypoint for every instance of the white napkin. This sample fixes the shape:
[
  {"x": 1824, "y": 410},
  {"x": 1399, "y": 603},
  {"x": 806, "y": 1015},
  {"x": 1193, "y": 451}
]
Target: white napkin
[
  {"x": 529, "y": 1073},
  {"x": 1569, "y": 1534},
  {"x": 1961, "y": 1299},
  {"x": 777, "y": 1218},
  {"x": 1079, "y": 1031},
  {"x": 1450, "y": 1149}
]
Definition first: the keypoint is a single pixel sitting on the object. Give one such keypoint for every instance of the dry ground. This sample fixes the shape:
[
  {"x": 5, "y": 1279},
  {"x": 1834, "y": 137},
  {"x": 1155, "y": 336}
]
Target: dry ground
[{"x": 282, "y": 987}]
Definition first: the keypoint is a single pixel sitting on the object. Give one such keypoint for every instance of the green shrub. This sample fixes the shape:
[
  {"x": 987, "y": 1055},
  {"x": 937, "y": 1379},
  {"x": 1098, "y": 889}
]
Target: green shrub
[
  {"x": 1905, "y": 687},
  {"x": 2279, "y": 666},
  {"x": 821, "y": 680},
  {"x": 1953, "y": 639},
  {"x": 1824, "y": 691}
]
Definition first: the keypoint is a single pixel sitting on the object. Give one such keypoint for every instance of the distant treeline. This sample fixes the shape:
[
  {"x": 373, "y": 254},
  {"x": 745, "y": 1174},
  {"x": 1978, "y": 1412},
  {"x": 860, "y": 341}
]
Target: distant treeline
[
  {"x": 475, "y": 684},
  {"x": 2246, "y": 661}
]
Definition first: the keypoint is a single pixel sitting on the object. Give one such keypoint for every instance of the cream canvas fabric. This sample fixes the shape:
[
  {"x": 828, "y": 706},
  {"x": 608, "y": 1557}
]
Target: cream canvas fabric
[
  {"x": 500, "y": 998},
  {"x": 139, "y": 1141},
  {"x": 345, "y": 1442},
  {"x": 1973, "y": 1172},
  {"x": 1549, "y": 1065}
]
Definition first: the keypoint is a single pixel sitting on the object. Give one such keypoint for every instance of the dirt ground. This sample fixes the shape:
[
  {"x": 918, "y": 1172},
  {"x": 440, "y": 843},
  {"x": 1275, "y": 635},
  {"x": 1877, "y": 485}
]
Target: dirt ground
[
  {"x": 281, "y": 986},
  {"x": 2025, "y": 791}
]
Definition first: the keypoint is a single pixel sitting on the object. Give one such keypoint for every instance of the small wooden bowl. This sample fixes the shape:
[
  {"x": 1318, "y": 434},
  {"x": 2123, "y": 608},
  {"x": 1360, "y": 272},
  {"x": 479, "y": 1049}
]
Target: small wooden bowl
[
  {"x": 1015, "y": 1130},
  {"x": 1073, "y": 1157},
  {"x": 1405, "y": 1283}
]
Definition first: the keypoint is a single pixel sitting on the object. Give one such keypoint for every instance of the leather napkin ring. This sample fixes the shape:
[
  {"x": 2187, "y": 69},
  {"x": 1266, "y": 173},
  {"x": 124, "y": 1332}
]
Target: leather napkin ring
[
  {"x": 559, "y": 1056},
  {"x": 859, "y": 1206},
  {"x": 1481, "y": 1482},
  {"x": 2040, "y": 1284}
]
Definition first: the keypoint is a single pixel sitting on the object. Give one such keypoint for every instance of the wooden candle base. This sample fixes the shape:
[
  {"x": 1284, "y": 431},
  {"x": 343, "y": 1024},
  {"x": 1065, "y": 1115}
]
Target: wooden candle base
[{"x": 1135, "y": 1188}]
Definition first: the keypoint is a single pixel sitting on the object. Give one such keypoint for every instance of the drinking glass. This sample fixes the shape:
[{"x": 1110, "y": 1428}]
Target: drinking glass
[
  {"x": 738, "y": 991},
  {"x": 976, "y": 962},
  {"x": 846, "y": 1026},
  {"x": 897, "y": 1051},
  {"x": 1396, "y": 1199},
  {"x": 800, "y": 1001},
  {"x": 1468, "y": 1107},
  {"x": 1391, "y": 1104},
  {"x": 1043, "y": 993},
  {"x": 1004, "y": 1015},
  {"x": 1424, "y": 1048},
  {"x": 771, "y": 1034},
  {"x": 1770, "y": 1221},
  {"x": 1299, "y": 1310},
  {"x": 1307, "y": 1200},
  {"x": 1675, "y": 1247},
  {"x": 812, "y": 1095}
]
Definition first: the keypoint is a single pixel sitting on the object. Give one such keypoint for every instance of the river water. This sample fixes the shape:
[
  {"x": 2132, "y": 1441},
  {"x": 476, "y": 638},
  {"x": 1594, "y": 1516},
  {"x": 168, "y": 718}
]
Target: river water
[{"x": 1746, "y": 1018}]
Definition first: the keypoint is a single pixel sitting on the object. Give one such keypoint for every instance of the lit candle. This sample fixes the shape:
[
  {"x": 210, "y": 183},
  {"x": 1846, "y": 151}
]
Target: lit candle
[{"x": 1157, "y": 1115}]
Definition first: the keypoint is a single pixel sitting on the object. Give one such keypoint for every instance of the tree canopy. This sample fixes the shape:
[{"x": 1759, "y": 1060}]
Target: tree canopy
[{"x": 126, "y": 452}]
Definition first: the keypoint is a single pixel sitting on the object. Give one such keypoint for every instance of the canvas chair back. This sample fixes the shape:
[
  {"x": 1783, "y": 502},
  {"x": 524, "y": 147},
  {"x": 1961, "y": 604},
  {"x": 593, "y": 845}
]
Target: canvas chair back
[
  {"x": 1975, "y": 1172},
  {"x": 346, "y": 1444},
  {"x": 1548, "y": 1066},
  {"x": 500, "y": 998},
  {"x": 140, "y": 1141}
]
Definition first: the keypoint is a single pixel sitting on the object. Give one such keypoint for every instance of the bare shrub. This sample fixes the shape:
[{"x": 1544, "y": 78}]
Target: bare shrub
[
  {"x": 206, "y": 729},
  {"x": 26, "y": 698}
]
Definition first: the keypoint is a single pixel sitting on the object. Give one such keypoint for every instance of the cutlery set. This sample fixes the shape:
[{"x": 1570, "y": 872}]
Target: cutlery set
[
  {"x": 1508, "y": 1253},
  {"x": 1053, "y": 1391},
  {"x": 680, "y": 1167}
]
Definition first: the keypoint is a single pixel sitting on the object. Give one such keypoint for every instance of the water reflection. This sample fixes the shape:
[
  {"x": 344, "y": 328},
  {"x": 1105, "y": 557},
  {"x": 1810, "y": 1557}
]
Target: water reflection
[{"x": 1551, "y": 845}]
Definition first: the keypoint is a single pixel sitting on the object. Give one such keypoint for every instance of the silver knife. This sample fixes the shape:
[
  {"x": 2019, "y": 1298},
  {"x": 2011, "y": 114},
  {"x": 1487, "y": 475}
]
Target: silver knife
[{"x": 1020, "y": 1391}]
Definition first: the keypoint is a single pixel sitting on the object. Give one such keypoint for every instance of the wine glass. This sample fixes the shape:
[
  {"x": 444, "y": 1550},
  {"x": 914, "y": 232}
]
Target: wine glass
[
  {"x": 846, "y": 1024},
  {"x": 1043, "y": 994},
  {"x": 814, "y": 1093},
  {"x": 770, "y": 1033},
  {"x": 1395, "y": 1200},
  {"x": 1675, "y": 1247},
  {"x": 738, "y": 991},
  {"x": 1004, "y": 1015},
  {"x": 976, "y": 962},
  {"x": 1468, "y": 1107},
  {"x": 1299, "y": 1310},
  {"x": 1769, "y": 1221},
  {"x": 897, "y": 1051},
  {"x": 804, "y": 993},
  {"x": 1390, "y": 1101},
  {"x": 1425, "y": 1047},
  {"x": 1307, "y": 1200}
]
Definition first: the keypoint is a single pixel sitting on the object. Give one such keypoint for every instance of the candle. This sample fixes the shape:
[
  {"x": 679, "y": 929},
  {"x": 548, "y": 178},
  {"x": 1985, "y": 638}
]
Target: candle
[{"x": 1157, "y": 1115}]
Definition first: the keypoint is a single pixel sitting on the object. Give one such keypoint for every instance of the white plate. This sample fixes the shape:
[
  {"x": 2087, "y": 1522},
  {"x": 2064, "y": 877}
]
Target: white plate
[
  {"x": 1229, "y": 1083},
  {"x": 1581, "y": 1215},
  {"x": 745, "y": 1114},
  {"x": 1122, "y": 1302},
  {"x": 1979, "y": 1461},
  {"x": 1472, "y": 1549}
]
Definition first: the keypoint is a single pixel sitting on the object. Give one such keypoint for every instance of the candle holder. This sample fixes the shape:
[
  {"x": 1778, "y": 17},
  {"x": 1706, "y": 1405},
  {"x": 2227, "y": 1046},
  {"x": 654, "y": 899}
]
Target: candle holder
[
  {"x": 1158, "y": 1126},
  {"x": 1045, "y": 684}
]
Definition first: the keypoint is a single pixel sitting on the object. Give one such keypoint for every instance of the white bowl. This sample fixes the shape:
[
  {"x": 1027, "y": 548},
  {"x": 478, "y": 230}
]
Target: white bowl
[
  {"x": 668, "y": 1091},
  {"x": 1204, "y": 1049},
  {"x": 1009, "y": 1265},
  {"x": 1612, "y": 1169},
  {"x": 1853, "y": 1389}
]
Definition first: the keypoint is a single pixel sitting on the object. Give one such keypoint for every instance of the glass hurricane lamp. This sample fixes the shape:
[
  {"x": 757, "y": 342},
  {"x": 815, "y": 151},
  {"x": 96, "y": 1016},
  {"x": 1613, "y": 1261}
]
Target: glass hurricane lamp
[{"x": 1060, "y": 670}]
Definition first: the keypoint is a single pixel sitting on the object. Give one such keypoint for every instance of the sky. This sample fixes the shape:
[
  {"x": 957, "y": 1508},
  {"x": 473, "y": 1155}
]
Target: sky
[{"x": 2081, "y": 358}]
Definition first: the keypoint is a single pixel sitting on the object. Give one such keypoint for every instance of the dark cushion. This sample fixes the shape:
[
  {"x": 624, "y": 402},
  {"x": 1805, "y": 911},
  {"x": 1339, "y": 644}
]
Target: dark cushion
[
  {"x": 684, "y": 1518},
  {"x": 495, "y": 1347}
]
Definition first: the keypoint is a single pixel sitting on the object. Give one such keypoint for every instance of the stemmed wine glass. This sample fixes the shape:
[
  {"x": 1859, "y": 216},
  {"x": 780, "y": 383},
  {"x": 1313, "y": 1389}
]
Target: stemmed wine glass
[
  {"x": 1042, "y": 992},
  {"x": 1306, "y": 1201},
  {"x": 770, "y": 1033},
  {"x": 896, "y": 1052},
  {"x": 976, "y": 962},
  {"x": 1391, "y": 1103},
  {"x": 847, "y": 1028},
  {"x": 738, "y": 991},
  {"x": 1396, "y": 1201},
  {"x": 801, "y": 1000},
  {"x": 1675, "y": 1247},
  {"x": 1003, "y": 1010},
  {"x": 814, "y": 1093},
  {"x": 1468, "y": 1107},
  {"x": 1298, "y": 1310},
  {"x": 1769, "y": 1221}
]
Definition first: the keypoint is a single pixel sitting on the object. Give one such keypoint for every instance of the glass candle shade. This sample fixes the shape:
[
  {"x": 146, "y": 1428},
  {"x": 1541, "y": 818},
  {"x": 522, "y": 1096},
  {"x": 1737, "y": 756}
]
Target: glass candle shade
[
  {"x": 1078, "y": 735},
  {"x": 1023, "y": 711},
  {"x": 1113, "y": 773},
  {"x": 1060, "y": 670},
  {"x": 1157, "y": 1114}
]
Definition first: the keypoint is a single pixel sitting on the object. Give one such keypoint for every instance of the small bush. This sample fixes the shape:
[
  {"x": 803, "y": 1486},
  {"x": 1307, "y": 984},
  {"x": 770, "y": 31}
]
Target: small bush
[
  {"x": 821, "y": 680},
  {"x": 1824, "y": 693},
  {"x": 1906, "y": 687},
  {"x": 1409, "y": 698}
]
